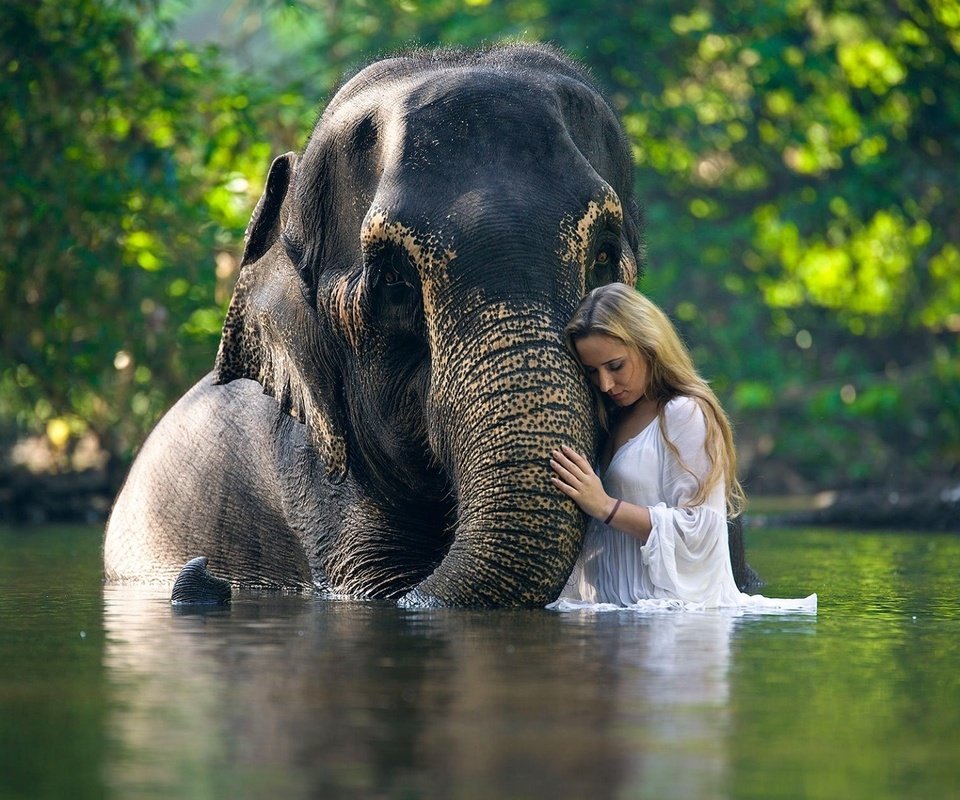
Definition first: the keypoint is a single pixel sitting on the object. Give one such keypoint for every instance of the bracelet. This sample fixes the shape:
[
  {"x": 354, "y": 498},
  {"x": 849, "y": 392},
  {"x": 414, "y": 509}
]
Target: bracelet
[{"x": 612, "y": 512}]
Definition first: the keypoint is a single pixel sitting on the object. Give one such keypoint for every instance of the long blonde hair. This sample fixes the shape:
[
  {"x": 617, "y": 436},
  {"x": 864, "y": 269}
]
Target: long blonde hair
[{"x": 622, "y": 313}]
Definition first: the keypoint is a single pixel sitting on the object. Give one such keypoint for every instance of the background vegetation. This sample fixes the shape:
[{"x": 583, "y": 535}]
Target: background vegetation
[{"x": 798, "y": 162}]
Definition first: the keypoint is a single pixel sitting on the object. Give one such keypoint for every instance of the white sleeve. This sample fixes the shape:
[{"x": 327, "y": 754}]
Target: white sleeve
[{"x": 686, "y": 554}]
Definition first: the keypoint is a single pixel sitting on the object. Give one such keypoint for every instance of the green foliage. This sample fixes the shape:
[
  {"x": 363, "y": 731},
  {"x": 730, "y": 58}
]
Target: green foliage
[
  {"x": 126, "y": 161},
  {"x": 795, "y": 160},
  {"x": 797, "y": 164}
]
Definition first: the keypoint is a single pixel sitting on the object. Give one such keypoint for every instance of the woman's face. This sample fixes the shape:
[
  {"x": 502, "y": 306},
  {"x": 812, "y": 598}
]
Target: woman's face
[{"x": 620, "y": 372}]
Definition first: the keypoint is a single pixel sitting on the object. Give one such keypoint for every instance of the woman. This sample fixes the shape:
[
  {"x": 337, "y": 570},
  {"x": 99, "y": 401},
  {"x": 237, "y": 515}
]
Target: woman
[{"x": 658, "y": 533}]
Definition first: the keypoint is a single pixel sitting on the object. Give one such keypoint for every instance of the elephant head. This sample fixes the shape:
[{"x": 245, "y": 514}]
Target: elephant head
[{"x": 403, "y": 293}]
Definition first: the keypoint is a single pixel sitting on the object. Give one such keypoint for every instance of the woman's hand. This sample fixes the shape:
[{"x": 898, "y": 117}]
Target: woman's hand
[{"x": 577, "y": 480}]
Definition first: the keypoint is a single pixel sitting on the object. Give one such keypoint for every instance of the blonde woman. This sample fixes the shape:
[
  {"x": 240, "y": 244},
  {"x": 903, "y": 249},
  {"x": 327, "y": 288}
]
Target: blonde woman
[{"x": 667, "y": 480}]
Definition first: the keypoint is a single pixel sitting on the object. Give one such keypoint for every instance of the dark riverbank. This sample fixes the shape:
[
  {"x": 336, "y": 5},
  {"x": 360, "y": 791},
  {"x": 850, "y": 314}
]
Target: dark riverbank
[
  {"x": 36, "y": 498},
  {"x": 933, "y": 507}
]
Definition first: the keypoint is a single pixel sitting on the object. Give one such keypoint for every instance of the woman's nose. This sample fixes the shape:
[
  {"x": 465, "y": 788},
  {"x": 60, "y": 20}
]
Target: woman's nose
[{"x": 606, "y": 382}]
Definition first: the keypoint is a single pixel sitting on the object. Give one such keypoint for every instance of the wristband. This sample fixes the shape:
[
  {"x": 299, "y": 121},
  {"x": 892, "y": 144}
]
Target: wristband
[{"x": 612, "y": 512}]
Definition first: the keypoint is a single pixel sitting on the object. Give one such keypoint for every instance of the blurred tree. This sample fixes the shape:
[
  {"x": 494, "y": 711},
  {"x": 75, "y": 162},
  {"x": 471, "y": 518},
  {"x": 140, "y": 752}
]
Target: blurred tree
[
  {"x": 795, "y": 161},
  {"x": 125, "y": 165}
]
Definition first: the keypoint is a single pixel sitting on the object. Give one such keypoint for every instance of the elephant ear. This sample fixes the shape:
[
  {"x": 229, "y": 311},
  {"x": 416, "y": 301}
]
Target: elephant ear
[
  {"x": 635, "y": 224},
  {"x": 272, "y": 335},
  {"x": 632, "y": 269}
]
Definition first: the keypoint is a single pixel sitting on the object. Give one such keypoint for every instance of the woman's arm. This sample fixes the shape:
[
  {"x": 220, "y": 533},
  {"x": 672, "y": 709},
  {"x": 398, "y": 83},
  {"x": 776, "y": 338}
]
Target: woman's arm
[{"x": 576, "y": 479}]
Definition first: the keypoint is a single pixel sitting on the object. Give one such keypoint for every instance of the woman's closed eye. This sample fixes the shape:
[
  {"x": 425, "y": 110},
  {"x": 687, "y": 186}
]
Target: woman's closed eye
[{"x": 614, "y": 367}]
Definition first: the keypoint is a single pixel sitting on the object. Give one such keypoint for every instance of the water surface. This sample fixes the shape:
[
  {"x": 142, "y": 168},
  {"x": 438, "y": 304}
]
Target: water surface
[{"x": 108, "y": 692}]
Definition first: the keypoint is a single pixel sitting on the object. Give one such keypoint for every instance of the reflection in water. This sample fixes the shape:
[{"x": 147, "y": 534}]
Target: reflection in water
[
  {"x": 110, "y": 693},
  {"x": 684, "y": 683},
  {"x": 288, "y": 694}
]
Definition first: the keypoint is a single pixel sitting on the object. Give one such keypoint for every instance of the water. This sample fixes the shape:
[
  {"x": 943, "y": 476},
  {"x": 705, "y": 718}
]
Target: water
[{"x": 108, "y": 692}]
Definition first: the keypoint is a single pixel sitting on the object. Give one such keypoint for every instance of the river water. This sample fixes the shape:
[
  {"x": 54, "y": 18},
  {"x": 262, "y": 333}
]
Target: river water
[{"x": 107, "y": 692}]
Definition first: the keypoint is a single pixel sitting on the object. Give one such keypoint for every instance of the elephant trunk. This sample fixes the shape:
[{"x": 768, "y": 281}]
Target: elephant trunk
[{"x": 504, "y": 403}]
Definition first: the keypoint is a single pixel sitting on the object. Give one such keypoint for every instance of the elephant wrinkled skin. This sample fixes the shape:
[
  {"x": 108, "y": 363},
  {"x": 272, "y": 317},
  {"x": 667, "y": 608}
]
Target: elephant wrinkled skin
[{"x": 391, "y": 374}]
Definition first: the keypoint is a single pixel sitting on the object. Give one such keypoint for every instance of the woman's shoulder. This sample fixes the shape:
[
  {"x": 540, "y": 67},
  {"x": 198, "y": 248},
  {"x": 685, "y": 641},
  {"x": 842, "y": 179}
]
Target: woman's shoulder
[
  {"x": 682, "y": 408},
  {"x": 683, "y": 417}
]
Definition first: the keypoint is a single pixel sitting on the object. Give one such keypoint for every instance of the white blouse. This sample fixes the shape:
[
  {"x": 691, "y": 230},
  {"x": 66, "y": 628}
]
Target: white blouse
[{"x": 685, "y": 562}]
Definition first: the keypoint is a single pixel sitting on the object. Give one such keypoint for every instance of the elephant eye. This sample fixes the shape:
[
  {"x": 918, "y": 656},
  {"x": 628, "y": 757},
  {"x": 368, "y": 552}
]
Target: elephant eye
[
  {"x": 606, "y": 258},
  {"x": 393, "y": 268},
  {"x": 607, "y": 255}
]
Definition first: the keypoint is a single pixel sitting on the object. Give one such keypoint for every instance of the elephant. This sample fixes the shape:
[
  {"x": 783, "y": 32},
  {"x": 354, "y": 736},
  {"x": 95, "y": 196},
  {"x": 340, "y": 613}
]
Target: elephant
[{"x": 391, "y": 374}]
